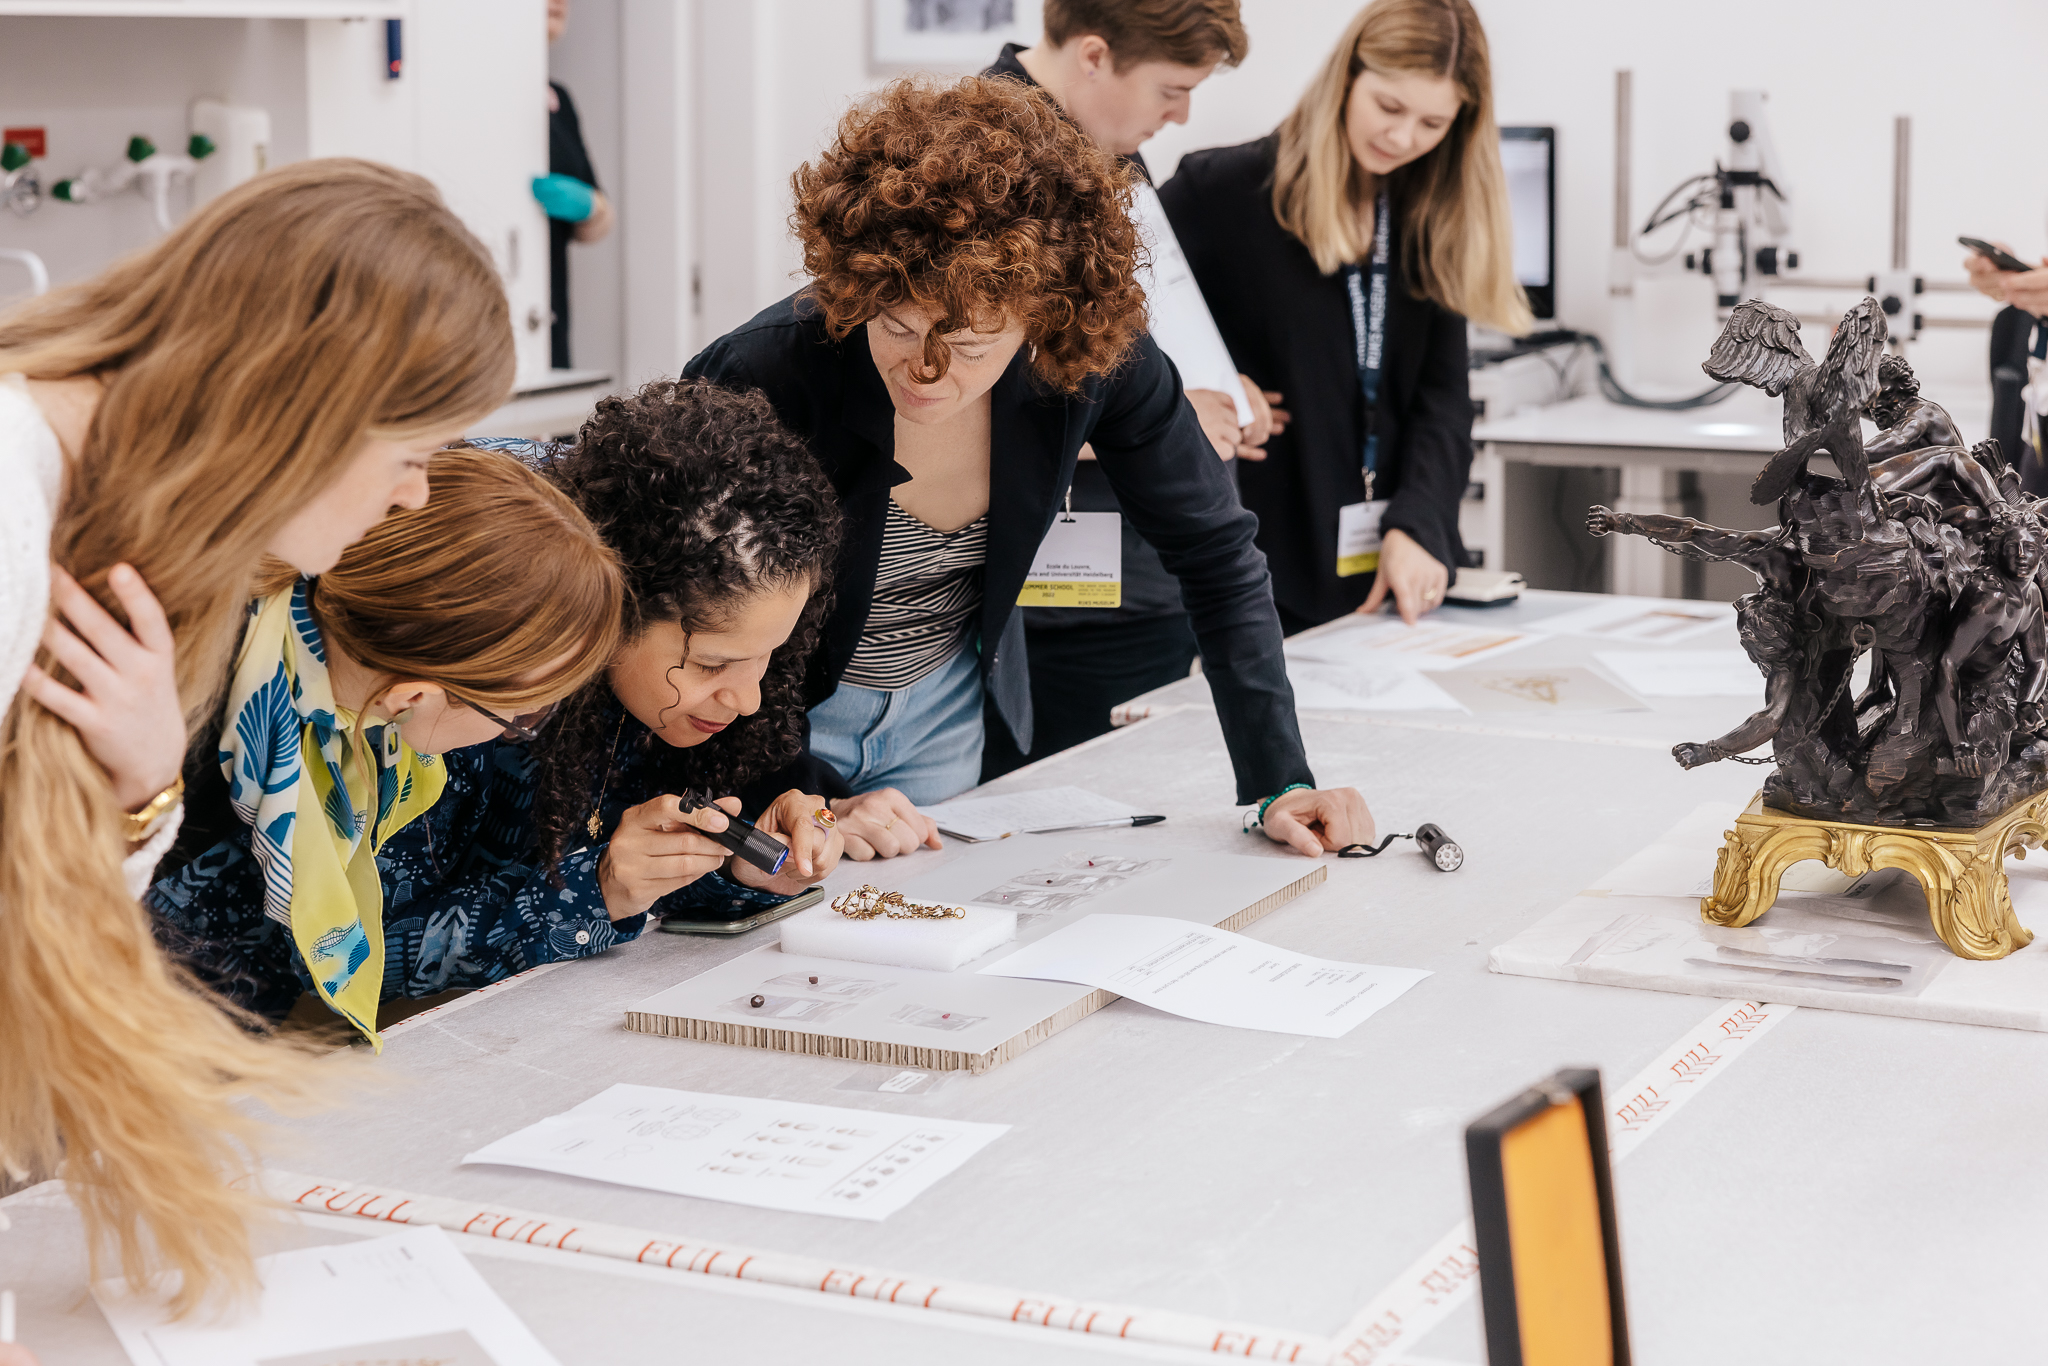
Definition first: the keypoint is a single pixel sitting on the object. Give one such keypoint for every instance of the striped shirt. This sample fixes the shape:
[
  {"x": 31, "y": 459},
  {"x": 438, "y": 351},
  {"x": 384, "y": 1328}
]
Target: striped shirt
[{"x": 927, "y": 590}]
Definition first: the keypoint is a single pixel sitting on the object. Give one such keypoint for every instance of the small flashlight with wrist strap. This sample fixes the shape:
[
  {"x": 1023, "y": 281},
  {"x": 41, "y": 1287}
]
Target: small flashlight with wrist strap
[{"x": 1442, "y": 850}]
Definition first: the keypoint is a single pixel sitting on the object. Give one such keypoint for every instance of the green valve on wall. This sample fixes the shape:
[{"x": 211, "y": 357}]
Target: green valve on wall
[
  {"x": 200, "y": 147},
  {"x": 13, "y": 156},
  {"x": 140, "y": 148}
]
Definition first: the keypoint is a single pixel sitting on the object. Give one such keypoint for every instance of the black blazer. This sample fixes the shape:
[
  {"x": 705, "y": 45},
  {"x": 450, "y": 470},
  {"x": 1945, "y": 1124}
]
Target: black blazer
[
  {"x": 1289, "y": 326},
  {"x": 1173, "y": 489}
]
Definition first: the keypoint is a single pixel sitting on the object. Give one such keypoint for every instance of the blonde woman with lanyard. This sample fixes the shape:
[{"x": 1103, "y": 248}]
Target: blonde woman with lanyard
[
  {"x": 269, "y": 377},
  {"x": 1341, "y": 256}
]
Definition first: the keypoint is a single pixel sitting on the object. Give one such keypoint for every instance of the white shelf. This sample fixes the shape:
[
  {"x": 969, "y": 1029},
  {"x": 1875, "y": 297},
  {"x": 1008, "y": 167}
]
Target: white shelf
[
  {"x": 209, "y": 9},
  {"x": 548, "y": 409}
]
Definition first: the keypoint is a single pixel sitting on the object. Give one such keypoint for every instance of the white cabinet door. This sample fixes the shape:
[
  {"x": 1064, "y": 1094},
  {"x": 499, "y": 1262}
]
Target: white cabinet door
[{"x": 469, "y": 113}]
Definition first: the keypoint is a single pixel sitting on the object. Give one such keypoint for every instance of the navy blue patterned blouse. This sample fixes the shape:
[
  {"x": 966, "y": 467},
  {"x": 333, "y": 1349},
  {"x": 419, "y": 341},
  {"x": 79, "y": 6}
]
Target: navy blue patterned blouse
[{"x": 466, "y": 900}]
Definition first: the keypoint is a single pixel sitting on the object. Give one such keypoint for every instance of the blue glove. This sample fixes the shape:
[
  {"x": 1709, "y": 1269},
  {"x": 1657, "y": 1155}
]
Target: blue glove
[{"x": 564, "y": 197}]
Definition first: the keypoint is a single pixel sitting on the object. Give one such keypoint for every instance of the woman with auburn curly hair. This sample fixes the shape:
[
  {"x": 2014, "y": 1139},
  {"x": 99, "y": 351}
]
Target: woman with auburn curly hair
[
  {"x": 557, "y": 845},
  {"x": 971, "y": 322}
]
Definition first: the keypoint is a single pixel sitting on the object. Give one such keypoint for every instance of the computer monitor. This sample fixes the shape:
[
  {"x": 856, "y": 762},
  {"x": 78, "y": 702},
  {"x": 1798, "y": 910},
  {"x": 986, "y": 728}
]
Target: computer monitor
[{"x": 1529, "y": 156}]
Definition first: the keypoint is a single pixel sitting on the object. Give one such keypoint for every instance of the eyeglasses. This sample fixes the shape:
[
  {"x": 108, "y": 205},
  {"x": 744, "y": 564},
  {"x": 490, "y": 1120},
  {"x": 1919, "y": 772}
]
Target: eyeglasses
[{"x": 525, "y": 726}]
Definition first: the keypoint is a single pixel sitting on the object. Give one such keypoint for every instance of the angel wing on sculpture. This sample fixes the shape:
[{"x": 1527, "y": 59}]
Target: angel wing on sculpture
[
  {"x": 1759, "y": 346},
  {"x": 1825, "y": 402},
  {"x": 1848, "y": 373}
]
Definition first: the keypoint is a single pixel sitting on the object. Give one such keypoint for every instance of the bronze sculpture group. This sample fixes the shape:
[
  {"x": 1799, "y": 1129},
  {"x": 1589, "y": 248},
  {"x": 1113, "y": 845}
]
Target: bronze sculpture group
[{"x": 1917, "y": 553}]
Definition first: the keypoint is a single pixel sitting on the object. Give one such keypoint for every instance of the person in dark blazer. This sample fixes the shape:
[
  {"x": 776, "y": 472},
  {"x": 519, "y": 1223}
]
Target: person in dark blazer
[
  {"x": 971, "y": 321},
  {"x": 1121, "y": 72},
  {"x": 1380, "y": 197}
]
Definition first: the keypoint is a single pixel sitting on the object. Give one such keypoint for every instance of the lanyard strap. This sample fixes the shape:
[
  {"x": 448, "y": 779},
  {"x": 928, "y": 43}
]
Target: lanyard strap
[{"x": 1369, "y": 328}]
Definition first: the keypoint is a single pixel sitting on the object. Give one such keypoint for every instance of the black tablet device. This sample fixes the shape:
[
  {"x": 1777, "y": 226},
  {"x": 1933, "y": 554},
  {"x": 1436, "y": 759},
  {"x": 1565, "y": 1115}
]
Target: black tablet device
[{"x": 1543, "y": 1220}]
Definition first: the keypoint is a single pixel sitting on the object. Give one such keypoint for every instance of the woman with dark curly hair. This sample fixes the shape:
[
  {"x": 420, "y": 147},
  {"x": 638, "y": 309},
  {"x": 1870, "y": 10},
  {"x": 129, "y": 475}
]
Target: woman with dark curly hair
[
  {"x": 971, "y": 322},
  {"x": 554, "y": 840}
]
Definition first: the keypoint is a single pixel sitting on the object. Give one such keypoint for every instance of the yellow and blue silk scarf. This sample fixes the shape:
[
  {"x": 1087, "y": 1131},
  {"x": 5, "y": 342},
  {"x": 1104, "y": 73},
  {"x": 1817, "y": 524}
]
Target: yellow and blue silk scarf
[{"x": 305, "y": 775}]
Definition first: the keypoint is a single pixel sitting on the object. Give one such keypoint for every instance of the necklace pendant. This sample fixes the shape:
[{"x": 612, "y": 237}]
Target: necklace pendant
[{"x": 595, "y": 825}]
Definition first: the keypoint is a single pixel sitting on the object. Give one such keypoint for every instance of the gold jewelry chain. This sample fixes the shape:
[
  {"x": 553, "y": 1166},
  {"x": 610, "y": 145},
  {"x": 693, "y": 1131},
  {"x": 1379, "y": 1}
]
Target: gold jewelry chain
[{"x": 870, "y": 902}]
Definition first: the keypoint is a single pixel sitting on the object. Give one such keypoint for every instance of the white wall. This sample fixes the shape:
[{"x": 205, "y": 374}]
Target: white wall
[
  {"x": 587, "y": 62},
  {"x": 139, "y": 76},
  {"x": 776, "y": 74},
  {"x": 470, "y": 113}
]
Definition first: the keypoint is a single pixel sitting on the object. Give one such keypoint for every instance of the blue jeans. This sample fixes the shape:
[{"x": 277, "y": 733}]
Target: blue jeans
[{"x": 923, "y": 740}]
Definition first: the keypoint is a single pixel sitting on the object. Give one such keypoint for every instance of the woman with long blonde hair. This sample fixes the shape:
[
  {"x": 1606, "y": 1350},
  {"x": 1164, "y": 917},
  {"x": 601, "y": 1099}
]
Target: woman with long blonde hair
[
  {"x": 1341, "y": 255},
  {"x": 448, "y": 626},
  {"x": 271, "y": 377}
]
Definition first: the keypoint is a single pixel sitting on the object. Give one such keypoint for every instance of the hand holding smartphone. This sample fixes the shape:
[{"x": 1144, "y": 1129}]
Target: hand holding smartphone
[{"x": 1998, "y": 256}]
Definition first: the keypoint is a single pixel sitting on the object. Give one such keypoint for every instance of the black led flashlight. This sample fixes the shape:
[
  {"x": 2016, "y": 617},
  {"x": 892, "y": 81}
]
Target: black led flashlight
[
  {"x": 1443, "y": 851},
  {"x": 742, "y": 836}
]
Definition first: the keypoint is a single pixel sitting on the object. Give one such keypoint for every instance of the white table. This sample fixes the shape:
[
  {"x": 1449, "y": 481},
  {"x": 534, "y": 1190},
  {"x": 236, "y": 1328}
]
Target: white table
[
  {"x": 1855, "y": 1189},
  {"x": 1646, "y": 445}
]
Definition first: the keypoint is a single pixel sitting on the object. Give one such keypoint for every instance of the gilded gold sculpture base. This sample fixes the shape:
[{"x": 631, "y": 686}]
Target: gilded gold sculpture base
[{"x": 1962, "y": 871}]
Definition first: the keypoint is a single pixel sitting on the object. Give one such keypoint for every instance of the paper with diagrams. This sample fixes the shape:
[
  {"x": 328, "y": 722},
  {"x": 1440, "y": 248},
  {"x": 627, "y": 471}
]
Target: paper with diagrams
[
  {"x": 407, "y": 1297},
  {"x": 1433, "y": 644},
  {"x": 1686, "y": 673},
  {"x": 1648, "y": 621},
  {"x": 776, "y": 1154},
  {"x": 959, "y": 1020},
  {"x": 1211, "y": 975},
  {"x": 1555, "y": 688}
]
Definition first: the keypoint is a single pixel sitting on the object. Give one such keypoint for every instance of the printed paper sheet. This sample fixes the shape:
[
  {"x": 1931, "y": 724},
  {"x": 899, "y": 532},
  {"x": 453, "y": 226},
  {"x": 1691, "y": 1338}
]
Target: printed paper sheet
[
  {"x": 1211, "y": 975},
  {"x": 775, "y": 1154},
  {"x": 1649, "y": 621},
  {"x": 409, "y": 1297},
  {"x": 1686, "y": 673},
  {"x": 1556, "y": 688},
  {"x": 1431, "y": 644}
]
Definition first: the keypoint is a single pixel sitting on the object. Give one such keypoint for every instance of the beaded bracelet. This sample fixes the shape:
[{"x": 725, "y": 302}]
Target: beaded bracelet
[{"x": 1260, "y": 819}]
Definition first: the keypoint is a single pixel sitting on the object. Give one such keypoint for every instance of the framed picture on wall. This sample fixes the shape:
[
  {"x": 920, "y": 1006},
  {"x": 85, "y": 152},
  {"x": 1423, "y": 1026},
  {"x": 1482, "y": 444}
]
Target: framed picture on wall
[{"x": 962, "y": 34}]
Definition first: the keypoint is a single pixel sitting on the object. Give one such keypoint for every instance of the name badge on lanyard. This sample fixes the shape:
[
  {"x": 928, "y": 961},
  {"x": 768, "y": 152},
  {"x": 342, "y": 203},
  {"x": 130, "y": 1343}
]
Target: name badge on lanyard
[
  {"x": 1358, "y": 525},
  {"x": 1080, "y": 563}
]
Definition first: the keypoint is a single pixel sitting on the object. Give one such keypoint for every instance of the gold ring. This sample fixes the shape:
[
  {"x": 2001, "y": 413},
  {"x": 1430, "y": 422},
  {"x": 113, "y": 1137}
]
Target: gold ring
[
  {"x": 823, "y": 818},
  {"x": 892, "y": 822}
]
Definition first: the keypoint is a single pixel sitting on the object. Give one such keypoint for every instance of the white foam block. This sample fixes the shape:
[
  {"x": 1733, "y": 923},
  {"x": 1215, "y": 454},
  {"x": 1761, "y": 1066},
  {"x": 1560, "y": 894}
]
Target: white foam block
[{"x": 939, "y": 945}]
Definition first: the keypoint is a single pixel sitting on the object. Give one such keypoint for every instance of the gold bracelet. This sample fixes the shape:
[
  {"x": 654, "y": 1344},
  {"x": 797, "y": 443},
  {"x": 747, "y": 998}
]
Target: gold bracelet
[{"x": 140, "y": 821}]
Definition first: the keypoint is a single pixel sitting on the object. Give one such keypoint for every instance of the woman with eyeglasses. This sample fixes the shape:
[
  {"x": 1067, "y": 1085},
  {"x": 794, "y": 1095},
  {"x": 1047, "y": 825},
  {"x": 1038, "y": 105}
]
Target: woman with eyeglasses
[
  {"x": 972, "y": 321},
  {"x": 562, "y": 848},
  {"x": 353, "y": 696}
]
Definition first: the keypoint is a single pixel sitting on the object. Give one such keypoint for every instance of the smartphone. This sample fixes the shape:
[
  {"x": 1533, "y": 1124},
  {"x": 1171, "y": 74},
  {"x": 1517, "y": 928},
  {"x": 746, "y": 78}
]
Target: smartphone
[
  {"x": 739, "y": 915},
  {"x": 1998, "y": 256}
]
